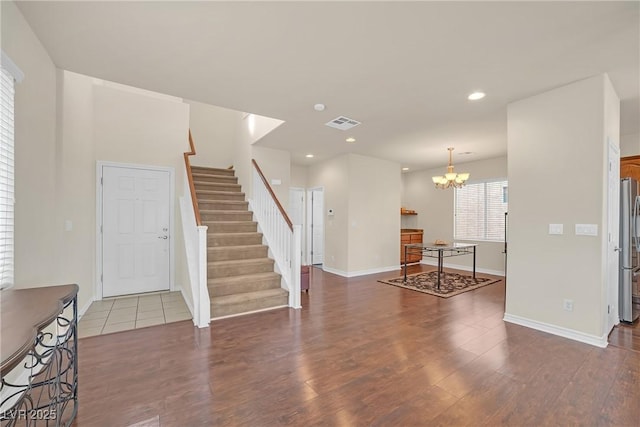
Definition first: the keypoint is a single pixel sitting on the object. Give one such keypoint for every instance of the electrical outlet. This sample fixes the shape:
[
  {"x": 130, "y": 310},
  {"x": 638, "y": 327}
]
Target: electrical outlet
[{"x": 567, "y": 304}]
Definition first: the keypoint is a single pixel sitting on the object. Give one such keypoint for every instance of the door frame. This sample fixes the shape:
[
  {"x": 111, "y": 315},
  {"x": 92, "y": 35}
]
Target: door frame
[
  {"x": 100, "y": 164},
  {"x": 308, "y": 229},
  {"x": 611, "y": 309}
]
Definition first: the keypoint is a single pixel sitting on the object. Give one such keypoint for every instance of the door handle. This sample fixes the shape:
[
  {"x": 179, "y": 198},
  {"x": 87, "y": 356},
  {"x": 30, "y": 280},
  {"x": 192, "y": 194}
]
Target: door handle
[
  {"x": 617, "y": 249},
  {"x": 163, "y": 237}
]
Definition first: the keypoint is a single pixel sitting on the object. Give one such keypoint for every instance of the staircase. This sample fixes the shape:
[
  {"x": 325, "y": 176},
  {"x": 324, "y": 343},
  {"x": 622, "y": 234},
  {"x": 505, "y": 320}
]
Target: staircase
[{"x": 241, "y": 276}]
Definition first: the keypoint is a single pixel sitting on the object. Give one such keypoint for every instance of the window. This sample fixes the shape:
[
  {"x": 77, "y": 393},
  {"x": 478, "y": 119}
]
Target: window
[
  {"x": 7, "y": 91},
  {"x": 479, "y": 211}
]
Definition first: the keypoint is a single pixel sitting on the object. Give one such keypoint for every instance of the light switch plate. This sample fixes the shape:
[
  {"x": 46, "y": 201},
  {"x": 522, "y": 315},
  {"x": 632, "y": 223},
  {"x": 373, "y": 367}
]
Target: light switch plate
[
  {"x": 556, "y": 228},
  {"x": 586, "y": 229}
]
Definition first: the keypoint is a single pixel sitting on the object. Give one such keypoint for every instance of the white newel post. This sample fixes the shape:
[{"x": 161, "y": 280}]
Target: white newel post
[
  {"x": 204, "y": 309},
  {"x": 296, "y": 243}
]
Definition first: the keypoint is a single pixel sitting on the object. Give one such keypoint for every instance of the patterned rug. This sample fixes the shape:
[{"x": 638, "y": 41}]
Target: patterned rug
[{"x": 450, "y": 283}]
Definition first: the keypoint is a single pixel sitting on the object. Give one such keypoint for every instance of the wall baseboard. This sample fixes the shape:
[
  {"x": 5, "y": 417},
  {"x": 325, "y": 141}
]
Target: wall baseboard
[
  {"x": 189, "y": 304},
  {"x": 434, "y": 263},
  {"x": 84, "y": 309},
  {"x": 558, "y": 330},
  {"x": 359, "y": 272}
]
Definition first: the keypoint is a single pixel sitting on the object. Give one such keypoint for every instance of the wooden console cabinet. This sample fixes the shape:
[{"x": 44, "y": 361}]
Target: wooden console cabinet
[
  {"x": 39, "y": 356},
  {"x": 407, "y": 236}
]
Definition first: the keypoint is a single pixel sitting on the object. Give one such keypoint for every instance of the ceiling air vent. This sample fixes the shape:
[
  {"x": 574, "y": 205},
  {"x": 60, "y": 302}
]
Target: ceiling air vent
[{"x": 342, "y": 123}]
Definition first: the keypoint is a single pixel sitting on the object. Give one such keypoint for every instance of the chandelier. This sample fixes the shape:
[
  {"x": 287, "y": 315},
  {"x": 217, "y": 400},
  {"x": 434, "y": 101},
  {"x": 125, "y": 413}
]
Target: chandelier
[{"x": 450, "y": 179}]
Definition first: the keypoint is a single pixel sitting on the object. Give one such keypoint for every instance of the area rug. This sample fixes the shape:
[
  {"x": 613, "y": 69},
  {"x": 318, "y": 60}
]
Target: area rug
[{"x": 451, "y": 284}]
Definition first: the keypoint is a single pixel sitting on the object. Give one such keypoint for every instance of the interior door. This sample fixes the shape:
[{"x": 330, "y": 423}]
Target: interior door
[
  {"x": 613, "y": 233},
  {"x": 317, "y": 225},
  {"x": 136, "y": 216}
]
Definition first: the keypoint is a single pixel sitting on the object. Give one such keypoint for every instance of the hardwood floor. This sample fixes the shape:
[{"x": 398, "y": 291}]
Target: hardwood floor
[
  {"x": 360, "y": 353},
  {"x": 626, "y": 336}
]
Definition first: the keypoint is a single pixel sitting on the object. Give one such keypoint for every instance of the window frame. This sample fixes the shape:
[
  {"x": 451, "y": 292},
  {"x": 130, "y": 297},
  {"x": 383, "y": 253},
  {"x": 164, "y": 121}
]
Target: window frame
[
  {"x": 455, "y": 209},
  {"x": 10, "y": 73}
]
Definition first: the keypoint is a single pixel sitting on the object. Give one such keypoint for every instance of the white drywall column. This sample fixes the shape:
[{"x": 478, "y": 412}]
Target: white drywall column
[{"x": 557, "y": 144}]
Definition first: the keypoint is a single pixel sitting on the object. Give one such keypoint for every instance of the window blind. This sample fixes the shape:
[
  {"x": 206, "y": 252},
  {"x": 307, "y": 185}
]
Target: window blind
[
  {"x": 479, "y": 211},
  {"x": 7, "y": 92}
]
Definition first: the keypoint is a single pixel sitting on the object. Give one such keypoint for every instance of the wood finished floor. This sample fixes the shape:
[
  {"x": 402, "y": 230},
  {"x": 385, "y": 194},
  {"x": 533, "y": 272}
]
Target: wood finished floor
[{"x": 360, "y": 353}]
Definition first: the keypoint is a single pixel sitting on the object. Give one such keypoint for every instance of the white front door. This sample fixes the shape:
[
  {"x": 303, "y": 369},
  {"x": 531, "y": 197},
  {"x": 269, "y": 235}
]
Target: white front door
[
  {"x": 136, "y": 215},
  {"x": 613, "y": 237}
]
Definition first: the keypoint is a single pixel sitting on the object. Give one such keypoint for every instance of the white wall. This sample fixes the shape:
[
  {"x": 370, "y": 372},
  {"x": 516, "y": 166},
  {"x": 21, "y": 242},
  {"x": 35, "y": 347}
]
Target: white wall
[
  {"x": 435, "y": 208},
  {"x": 374, "y": 214},
  {"x": 557, "y": 174},
  {"x": 630, "y": 145},
  {"x": 110, "y": 122},
  {"x": 333, "y": 176},
  {"x": 77, "y": 182},
  {"x": 214, "y": 132},
  {"x": 363, "y": 235},
  {"x": 37, "y": 230},
  {"x": 132, "y": 126},
  {"x": 249, "y": 130},
  {"x": 275, "y": 165},
  {"x": 299, "y": 176}
]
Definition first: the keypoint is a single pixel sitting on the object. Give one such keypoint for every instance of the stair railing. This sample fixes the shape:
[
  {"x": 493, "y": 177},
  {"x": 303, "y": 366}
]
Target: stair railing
[
  {"x": 283, "y": 238},
  {"x": 195, "y": 241},
  {"x": 192, "y": 187}
]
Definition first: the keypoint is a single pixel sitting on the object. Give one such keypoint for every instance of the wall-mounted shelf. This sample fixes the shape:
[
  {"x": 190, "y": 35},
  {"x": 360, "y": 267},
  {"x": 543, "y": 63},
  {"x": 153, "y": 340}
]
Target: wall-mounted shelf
[
  {"x": 410, "y": 213},
  {"x": 404, "y": 211}
]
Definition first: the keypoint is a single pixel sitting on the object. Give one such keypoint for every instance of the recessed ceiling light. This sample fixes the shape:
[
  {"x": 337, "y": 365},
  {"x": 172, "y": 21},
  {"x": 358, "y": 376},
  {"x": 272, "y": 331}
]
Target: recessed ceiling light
[
  {"x": 465, "y": 153},
  {"x": 405, "y": 169},
  {"x": 309, "y": 156},
  {"x": 476, "y": 95},
  {"x": 350, "y": 139},
  {"x": 319, "y": 107}
]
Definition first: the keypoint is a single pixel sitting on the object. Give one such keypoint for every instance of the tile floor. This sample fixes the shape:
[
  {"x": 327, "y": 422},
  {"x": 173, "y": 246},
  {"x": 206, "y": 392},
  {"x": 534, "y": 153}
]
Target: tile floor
[{"x": 132, "y": 312}]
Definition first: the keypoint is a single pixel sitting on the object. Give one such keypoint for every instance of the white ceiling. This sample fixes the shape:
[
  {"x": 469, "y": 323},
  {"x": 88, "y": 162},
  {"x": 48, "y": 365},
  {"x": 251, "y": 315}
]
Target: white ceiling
[{"x": 403, "y": 69}]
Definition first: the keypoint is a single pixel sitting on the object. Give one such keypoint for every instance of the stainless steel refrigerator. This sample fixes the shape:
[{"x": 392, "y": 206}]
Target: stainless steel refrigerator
[{"x": 629, "y": 246}]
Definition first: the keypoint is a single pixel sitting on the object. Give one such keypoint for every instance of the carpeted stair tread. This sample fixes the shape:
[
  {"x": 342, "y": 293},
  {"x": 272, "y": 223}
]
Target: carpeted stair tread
[
  {"x": 220, "y": 179},
  {"x": 227, "y": 205},
  {"x": 217, "y": 240},
  {"x": 218, "y": 186},
  {"x": 249, "y": 261},
  {"x": 205, "y": 176},
  {"x": 247, "y": 296},
  {"x": 223, "y": 211},
  {"x": 213, "y": 195},
  {"x": 227, "y": 253},
  {"x": 212, "y": 223},
  {"x": 235, "y": 267},
  {"x": 247, "y": 234},
  {"x": 231, "y": 227},
  {"x": 226, "y": 216},
  {"x": 244, "y": 225},
  {"x": 212, "y": 171},
  {"x": 243, "y": 278}
]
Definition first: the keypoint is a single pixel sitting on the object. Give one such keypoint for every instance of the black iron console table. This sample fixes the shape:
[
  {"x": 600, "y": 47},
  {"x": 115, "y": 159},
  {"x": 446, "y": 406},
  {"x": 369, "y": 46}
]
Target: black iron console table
[
  {"x": 39, "y": 349},
  {"x": 440, "y": 252}
]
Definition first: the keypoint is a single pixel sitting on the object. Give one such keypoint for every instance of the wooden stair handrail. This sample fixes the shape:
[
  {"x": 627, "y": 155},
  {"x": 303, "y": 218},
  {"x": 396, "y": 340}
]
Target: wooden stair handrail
[
  {"x": 273, "y": 195},
  {"x": 192, "y": 186}
]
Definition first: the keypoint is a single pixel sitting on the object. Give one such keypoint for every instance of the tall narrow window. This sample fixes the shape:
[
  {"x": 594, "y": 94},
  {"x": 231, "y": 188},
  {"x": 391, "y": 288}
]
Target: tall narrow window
[
  {"x": 479, "y": 211},
  {"x": 6, "y": 177}
]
